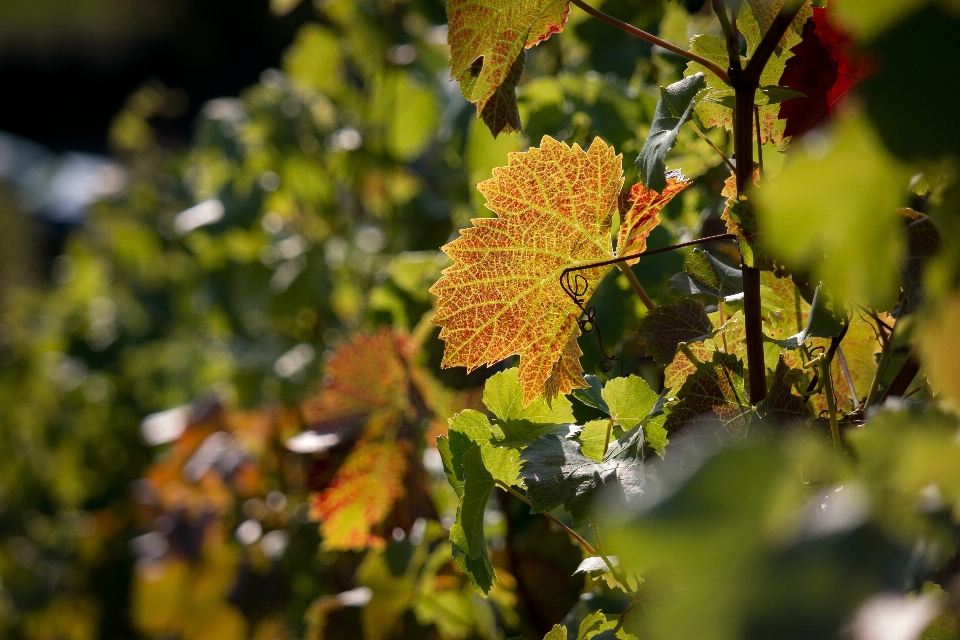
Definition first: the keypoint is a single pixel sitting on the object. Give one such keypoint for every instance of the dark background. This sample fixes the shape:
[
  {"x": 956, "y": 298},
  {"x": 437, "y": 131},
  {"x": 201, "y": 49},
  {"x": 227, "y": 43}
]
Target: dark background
[{"x": 66, "y": 69}]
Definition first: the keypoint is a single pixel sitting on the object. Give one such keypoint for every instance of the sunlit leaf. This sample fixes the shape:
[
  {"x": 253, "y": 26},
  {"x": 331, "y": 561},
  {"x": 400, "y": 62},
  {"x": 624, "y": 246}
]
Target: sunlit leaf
[
  {"x": 704, "y": 274},
  {"x": 670, "y": 324},
  {"x": 503, "y": 296},
  {"x": 486, "y": 50}
]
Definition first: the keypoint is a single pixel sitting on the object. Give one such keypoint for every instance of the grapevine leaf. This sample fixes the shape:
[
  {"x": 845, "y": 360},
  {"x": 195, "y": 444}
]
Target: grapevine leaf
[
  {"x": 366, "y": 377},
  {"x": 825, "y": 67},
  {"x": 594, "y": 563},
  {"x": 706, "y": 275},
  {"x": 557, "y": 633},
  {"x": 516, "y": 424},
  {"x": 555, "y": 472},
  {"x": 654, "y": 433},
  {"x": 502, "y": 296},
  {"x": 741, "y": 219},
  {"x": 452, "y": 466},
  {"x": 467, "y": 531},
  {"x": 592, "y": 438},
  {"x": 479, "y": 570},
  {"x": 821, "y": 323},
  {"x": 642, "y": 214},
  {"x": 670, "y": 324},
  {"x": 711, "y": 394},
  {"x": 487, "y": 40},
  {"x": 673, "y": 111},
  {"x": 858, "y": 352},
  {"x": 594, "y": 624},
  {"x": 730, "y": 338},
  {"x": 631, "y": 400},
  {"x": 592, "y": 395},
  {"x": 781, "y": 406},
  {"x": 361, "y": 495}
]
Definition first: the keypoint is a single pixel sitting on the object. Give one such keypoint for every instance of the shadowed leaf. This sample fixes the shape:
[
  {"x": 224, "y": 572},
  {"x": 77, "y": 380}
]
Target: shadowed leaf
[
  {"x": 555, "y": 472},
  {"x": 782, "y": 407},
  {"x": 706, "y": 275},
  {"x": 673, "y": 111},
  {"x": 670, "y": 324},
  {"x": 712, "y": 394}
]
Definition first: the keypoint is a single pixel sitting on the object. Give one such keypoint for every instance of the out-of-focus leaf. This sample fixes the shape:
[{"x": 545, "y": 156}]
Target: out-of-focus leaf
[
  {"x": 834, "y": 210},
  {"x": 486, "y": 50},
  {"x": 361, "y": 495},
  {"x": 391, "y": 596},
  {"x": 673, "y": 111}
]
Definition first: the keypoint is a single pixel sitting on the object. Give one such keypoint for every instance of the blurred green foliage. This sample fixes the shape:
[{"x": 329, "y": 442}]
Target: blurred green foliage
[{"x": 309, "y": 210}]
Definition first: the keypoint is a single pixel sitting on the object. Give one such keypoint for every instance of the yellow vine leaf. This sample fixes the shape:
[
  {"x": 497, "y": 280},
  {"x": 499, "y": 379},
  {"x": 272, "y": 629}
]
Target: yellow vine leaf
[{"x": 502, "y": 296}]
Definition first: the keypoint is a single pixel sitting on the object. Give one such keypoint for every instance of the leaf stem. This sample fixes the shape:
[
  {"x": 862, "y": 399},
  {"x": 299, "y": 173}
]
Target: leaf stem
[
  {"x": 703, "y": 136},
  {"x": 878, "y": 374},
  {"x": 606, "y": 444},
  {"x": 854, "y": 400},
  {"x": 573, "y": 534},
  {"x": 619, "y": 575},
  {"x": 831, "y": 404},
  {"x": 643, "y": 35},
  {"x": 637, "y": 287}
]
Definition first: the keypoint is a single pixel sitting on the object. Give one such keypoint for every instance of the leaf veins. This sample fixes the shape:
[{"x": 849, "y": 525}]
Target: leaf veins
[{"x": 502, "y": 296}]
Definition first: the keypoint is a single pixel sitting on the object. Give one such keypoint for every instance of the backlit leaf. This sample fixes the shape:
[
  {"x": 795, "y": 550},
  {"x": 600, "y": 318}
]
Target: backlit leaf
[
  {"x": 467, "y": 532},
  {"x": 670, "y": 324},
  {"x": 822, "y": 322},
  {"x": 630, "y": 400},
  {"x": 825, "y": 67},
  {"x": 704, "y": 274},
  {"x": 713, "y": 394},
  {"x": 673, "y": 111},
  {"x": 516, "y": 424},
  {"x": 502, "y": 296},
  {"x": 555, "y": 472},
  {"x": 487, "y": 40},
  {"x": 361, "y": 495}
]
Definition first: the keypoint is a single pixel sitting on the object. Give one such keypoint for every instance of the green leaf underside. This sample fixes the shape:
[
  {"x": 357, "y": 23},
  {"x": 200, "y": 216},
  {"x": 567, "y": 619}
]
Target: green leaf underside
[
  {"x": 469, "y": 545},
  {"x": 821, "y": 323},
  {"x": 670, "y": 324},
  {"x": 592, "y": 396},
  {"x": 713, "y": 395},
  {"x": 467, "y": 532},
  {"x": 673, "y": 111},
  {"x": 706, "y": 275},
  {"x": 555, "y": 472}
]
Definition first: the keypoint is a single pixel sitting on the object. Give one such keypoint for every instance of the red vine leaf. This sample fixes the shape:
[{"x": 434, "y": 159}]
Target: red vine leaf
[
  {"x": 825, "y": 66},
  {"x": 502, "y": 296},
  {"x": 361, "y": 495},
  {"x": 643, "y": 214},
  {"x": 487, "y": 40}
]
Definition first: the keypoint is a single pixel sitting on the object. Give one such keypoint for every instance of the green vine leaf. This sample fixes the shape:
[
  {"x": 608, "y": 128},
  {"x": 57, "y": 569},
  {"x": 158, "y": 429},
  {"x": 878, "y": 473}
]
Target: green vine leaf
[
  {"x": 673, "y": 111},
  {"x": 516, "y": 425},
  {"x": 714, "y": 393},
  {"x": 487, "y": 41},
  {"x": 467, "y": 532},
  {"x": 555, "y": 472},
  {"x": 670, "y": 324},
  {"x": 705, "y": 275},
  {"x": 593, "y": 437},
  {"x": 592, "y": 396}
]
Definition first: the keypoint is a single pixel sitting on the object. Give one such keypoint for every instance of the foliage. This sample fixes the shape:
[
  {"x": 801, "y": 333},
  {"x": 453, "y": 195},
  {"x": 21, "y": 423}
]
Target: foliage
[{"x": 764, "y": 448}]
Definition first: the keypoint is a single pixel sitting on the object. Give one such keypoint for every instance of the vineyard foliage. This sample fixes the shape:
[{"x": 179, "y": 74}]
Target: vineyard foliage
[{"x": 400, "y": 346}]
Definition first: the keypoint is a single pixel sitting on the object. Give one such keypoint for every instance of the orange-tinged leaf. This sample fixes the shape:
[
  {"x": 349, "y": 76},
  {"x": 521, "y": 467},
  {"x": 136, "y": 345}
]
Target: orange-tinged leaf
[
  {"x": 502, "y": 296},
  {"x": 367, "y": 375},
  {"x": 361, "y": 495},
  {"x": 643, "y": 215},
  {"x": 487, "y": 39}
]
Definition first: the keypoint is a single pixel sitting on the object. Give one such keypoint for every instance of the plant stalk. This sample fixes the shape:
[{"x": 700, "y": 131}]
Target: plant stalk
[
  {"x": 637, "y": 287},
  {"x": 649, "y": 37},
  {"x": 745, "y": 85}
]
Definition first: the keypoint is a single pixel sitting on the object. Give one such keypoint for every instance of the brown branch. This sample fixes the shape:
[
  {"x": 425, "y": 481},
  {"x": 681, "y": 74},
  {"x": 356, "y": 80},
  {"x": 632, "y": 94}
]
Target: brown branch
[{"x": 643, "y": 35}]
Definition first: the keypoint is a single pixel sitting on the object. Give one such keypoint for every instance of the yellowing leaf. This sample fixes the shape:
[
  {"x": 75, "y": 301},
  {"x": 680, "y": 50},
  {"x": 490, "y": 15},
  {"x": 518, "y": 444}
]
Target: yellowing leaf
[
  {"x": 487, "y": 40},
  {"x": 361, "y": 495},
  {"x": 502, "y": 296}
]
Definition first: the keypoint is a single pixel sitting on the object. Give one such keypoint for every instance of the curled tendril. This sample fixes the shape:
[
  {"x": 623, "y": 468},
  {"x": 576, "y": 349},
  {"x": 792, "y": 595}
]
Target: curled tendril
[{"x": 576, "y": 290}]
